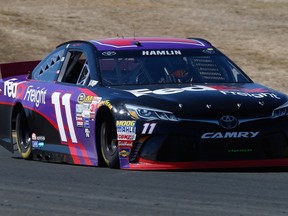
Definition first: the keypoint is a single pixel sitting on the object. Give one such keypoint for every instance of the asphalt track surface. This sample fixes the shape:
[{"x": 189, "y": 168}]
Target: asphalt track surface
[{"x": 39, "y": 188}]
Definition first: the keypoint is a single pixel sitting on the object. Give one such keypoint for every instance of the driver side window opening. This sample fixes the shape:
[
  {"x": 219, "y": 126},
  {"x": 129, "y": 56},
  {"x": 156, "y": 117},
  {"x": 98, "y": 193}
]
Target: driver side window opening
[{"x": 77, "y": 68}]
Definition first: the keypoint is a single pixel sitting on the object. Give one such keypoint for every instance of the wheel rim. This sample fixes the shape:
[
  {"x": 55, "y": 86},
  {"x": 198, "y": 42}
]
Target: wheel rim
[{"x": 23, "y": 139}]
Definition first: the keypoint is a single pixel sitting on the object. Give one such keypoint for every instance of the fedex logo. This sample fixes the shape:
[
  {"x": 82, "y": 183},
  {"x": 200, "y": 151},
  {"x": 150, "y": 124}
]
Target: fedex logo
[
  {"x": 166, "y": 91},
  {"x": 35, "y": 95},
  {"x": 199, "y": 88},
  {"x": 10, "y": 87}
]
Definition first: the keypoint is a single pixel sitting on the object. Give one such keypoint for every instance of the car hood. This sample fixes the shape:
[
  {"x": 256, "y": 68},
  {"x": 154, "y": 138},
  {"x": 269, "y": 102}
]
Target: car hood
[{"x": 186, "y": 101}]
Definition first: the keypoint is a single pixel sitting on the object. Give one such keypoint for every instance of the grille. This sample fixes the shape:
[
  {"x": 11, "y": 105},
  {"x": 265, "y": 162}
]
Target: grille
[{"x": 184, "y": 148}]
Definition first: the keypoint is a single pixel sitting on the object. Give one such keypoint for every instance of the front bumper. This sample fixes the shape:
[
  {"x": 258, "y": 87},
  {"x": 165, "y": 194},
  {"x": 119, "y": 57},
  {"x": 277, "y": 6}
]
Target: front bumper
[
  {"x": 143, "y": 164},
  {"x": 188, "y": 146}
]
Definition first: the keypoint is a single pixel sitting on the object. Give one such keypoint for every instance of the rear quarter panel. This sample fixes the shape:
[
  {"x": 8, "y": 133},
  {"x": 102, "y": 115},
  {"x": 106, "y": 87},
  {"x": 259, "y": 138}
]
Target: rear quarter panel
[
  {"x": 11, "y": 74},
  {"x": 8, "y": 98}
]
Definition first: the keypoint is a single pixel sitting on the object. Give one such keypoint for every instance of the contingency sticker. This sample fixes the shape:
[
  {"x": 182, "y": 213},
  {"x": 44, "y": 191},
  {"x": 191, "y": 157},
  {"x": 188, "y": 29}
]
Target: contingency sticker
[
  {"x": 86, "y": 109},
  {"x": 37, "y": 141},
  {"x": 126, "y": 130},
  {"x": 124, "y": 152}
]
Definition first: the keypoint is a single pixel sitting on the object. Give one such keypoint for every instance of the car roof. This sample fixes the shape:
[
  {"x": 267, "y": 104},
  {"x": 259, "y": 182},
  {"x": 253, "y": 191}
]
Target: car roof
[{"x": 144, "y": 43}]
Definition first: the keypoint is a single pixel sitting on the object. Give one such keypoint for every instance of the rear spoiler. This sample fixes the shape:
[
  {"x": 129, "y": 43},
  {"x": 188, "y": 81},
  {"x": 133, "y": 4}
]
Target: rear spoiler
[{"x": 17, "y": 68}]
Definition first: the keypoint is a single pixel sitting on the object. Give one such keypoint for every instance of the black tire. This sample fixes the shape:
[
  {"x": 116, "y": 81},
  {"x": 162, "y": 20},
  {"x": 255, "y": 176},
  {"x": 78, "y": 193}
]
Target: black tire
[
  {"x": 22, "y": 136},
  {"x": 109, "y": 145}
]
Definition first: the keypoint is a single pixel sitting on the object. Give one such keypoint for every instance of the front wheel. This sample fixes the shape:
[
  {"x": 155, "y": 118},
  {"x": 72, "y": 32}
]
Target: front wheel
[
  {"x": 22, "y": 136},
  {"x": 109, "y": 145}
]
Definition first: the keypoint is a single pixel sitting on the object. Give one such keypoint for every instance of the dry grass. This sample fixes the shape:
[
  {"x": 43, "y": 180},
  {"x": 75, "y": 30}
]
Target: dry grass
[{"x": 253, "y": 33}]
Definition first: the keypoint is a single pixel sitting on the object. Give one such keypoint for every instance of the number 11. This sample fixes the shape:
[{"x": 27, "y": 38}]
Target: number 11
[{"x": 66, "y": 103}]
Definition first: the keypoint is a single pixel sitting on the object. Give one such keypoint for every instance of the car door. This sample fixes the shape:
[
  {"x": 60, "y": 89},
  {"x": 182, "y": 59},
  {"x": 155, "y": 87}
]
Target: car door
[{"x": 69, "y": 110}]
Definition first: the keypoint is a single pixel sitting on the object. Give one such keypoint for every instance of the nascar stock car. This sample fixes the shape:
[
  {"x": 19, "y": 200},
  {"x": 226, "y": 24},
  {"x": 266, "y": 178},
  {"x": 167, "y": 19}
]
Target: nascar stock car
[{"x": 142, "y": 104}]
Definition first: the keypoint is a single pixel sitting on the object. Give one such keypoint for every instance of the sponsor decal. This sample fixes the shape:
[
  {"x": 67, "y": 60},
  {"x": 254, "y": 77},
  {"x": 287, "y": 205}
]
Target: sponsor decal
[
  {"x": 167, "y": 91},
  {"x": 126, "y": 130},
  {"x": 234, "y": 88},
  {"x": 41, "y": 144},
  {"x": 35, "y": 95},
  {"x": 121, "y": 129},
  {"x": 125, "y": 143},
  {"x": 79, "y": 108},
  {"x": 79, "y": 115},
  {"x": 125, "y": 123},
  {"x": 40, "y": 138},
  {"x": 79, "y": 118},
  {"x": 79, "y": 123},
  {"x": 93, "y": 83},
  {"x": 92, "y": 111},
  {"x": 160, "y": 52},
  {"x": 86, "y": 108},
  {"x": 33, "y": 136},
  {"x": 93, "y": 106},
  {"x": 10, "y": 87},
  {"x": 87, "y": 132},
  {"x": 88, "y": 99},
  {"x": 34, "y": 144},
  {"x": 81, "y": 98},
  {"x": 126, "y": 136},
  {"x": 107, "y": 103},
  {"x": 229, "y": 135},
  {"x": 96, "y": 100},
  {"x": 86, "y": 123},
  {"x": 254, "y": 93},
  {"x": 86, "y": 114},
  {"x": 124, "y": 152},
  {"x": 37, "y": 144}
]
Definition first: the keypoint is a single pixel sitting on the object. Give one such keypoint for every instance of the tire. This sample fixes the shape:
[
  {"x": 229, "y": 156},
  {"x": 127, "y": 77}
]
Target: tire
[
  {"x": 22, "y": 136},
  {"x": 109, "y": 145}
]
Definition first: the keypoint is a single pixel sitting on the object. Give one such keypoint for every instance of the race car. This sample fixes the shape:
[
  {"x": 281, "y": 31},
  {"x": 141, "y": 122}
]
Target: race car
[{"x": 141, "y": 103}]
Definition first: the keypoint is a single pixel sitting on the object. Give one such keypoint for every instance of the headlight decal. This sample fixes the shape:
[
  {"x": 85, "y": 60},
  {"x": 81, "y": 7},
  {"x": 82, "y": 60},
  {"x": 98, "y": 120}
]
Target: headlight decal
[
  {"x": 147, "y": 113},
  {"x": 280, "y": 111}
]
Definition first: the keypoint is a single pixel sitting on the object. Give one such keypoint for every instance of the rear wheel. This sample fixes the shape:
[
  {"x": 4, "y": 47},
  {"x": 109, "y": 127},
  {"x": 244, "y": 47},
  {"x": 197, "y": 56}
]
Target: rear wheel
[
  {"x": 22, "y": 136},
  {"x": 109, "y": 145}
]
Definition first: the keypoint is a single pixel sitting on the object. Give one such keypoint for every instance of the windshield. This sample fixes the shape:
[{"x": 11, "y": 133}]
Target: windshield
[{"x": 201, "y": 67}]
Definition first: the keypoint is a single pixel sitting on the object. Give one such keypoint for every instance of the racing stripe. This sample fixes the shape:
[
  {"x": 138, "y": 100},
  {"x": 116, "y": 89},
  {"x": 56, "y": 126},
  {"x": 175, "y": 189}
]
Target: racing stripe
[
  {"x": 73, "y": 152},
  {"x": 84, "y": 155}
]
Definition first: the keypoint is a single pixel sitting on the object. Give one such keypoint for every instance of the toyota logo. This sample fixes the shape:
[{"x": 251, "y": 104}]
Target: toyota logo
[
  {"x": 228, "y": 122},
  {"x": 109, "y": 53}
]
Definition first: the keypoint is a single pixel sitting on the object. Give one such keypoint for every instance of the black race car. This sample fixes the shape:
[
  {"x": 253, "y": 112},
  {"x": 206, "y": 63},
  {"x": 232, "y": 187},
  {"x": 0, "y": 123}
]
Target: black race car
[{"x": 141, "y": 103}]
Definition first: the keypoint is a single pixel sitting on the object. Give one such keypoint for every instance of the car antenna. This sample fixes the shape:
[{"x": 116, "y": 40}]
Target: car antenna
[
  {"x": 117, "y": 35},
  {"x": 134, "y": 33},
  {"x": 137, "y": 43}
]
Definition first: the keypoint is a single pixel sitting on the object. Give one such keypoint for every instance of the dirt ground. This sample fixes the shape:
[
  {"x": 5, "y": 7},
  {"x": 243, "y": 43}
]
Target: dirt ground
[{"x": 253, "y": 33}]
